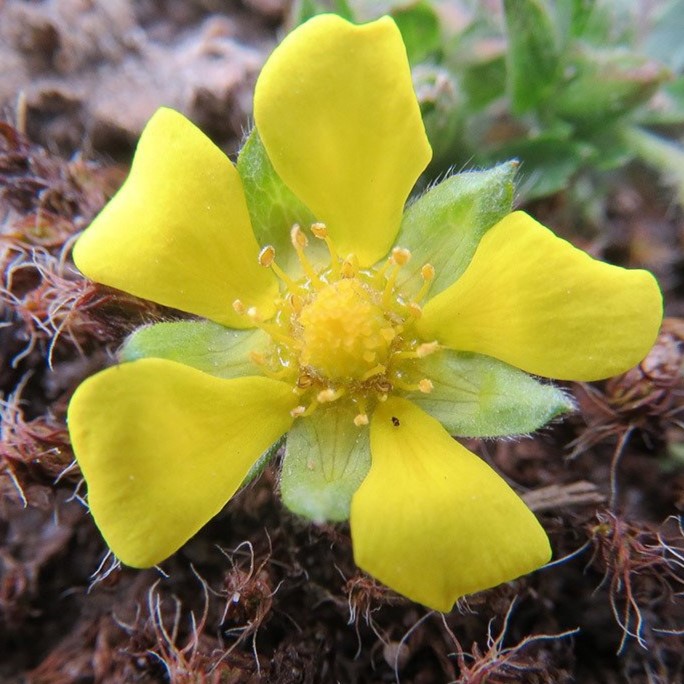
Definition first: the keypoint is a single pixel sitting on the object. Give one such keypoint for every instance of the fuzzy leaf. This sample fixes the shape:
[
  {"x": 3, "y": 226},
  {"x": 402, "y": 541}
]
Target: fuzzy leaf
[
  {"x": 478, "y": 396},
  {"x": 444, "y": 226},
  {"x": 607, "y": 84},
  {"x": 204, "y": 345},
  {"x": 532, "y": 57},
  {"x": 326, "y": 459}
]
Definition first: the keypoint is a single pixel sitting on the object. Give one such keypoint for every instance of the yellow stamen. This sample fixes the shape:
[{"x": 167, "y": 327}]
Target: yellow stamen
[
  {"x": 426, "y": 386},
  {"x": 329, "y": 395},
  {"x": 378, "y": 369},
  {"x": 428, "y": 274},
  {"x": 400, "y": 256},
  {"x": 350, "y": 267},
  {"x": 266, "y": 256},
  {"x": 320, "y": 230},
  {"x": 299, "y": 242},
  {"x": 427, "y": 348}
]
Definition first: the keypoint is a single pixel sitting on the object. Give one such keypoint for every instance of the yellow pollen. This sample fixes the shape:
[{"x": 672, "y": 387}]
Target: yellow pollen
[
  {"x": 339, "y": 329},
  {"x": 426, "y": 349},
  {"x": 329, "y": 395},
  {"x": 426, "y": 386},
  {"x": 267, "y": 256},
  {"x": 427, "y": 272},
  {"x": 319, "y": 230},
  {"x": 299, "y": 240},
  {"x": 401, "y": 256}
]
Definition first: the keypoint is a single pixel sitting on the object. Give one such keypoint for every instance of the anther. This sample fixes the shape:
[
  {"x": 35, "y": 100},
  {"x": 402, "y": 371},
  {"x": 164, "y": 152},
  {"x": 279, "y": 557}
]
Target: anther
[
  {"x": 267, "y": 256},
  {"x": 361, "y": 419},
  {"x": 304, "y": 381},
  {"x": 350, "y": 266},
  {"x": 427, "y": 348},
  {"x": 400, "y": 256},
  {"x": 426, "y": 386},
  {"x": 298, "y": 411},
  {"x": 239, "y": 307},
  {"x": 329, "y": 395},
  {"x": 299, "y": 240},
  {"x": 253, "y": 314},
  {"x": 427, "y": 272},
  {"x": 319, "y": 230}
]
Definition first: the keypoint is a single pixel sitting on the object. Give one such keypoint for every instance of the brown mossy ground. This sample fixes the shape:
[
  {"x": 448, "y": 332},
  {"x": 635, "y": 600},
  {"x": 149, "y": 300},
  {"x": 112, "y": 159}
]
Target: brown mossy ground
[{"x": 259, "y": 595}]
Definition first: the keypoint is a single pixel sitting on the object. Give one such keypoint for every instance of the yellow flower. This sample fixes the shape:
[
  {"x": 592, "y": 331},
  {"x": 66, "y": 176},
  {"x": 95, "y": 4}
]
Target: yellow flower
[{"x": 315, "y": 331}]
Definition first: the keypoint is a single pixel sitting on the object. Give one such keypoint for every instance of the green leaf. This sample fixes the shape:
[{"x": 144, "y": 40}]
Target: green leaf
[
  {"x": 419, "y": 27},
  {"x": 532, "y": 57},
  {"x": 606, "y": 84},
  {"x": 303, "y": 10},
  {"x": 445, "y": 225},
  {"x": 204, "y": 345},
  {"x": 478, "y": 396},
  {"x": 326, "y": 459},
  {"x": 273, "y": 207}
]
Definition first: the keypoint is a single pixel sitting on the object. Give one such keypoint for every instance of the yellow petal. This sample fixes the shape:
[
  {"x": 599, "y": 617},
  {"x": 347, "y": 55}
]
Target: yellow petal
[
  {"x": 533, "y": 300},
  {"x": 335, "y": 109},
  {"x": 178, "y": 231},
  {"x": 163, "y": 446},
  {"x": 432, "y": 520}
]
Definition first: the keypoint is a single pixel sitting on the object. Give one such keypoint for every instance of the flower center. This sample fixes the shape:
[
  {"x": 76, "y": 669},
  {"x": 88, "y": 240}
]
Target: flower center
[
  {"x": 341, "y": 331},
  {"x": 344, "y": 332}
]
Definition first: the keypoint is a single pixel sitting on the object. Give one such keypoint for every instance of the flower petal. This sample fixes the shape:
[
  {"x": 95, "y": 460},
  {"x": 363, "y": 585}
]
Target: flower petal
[
  {"x": 432, "y": 520},
  {"x": 326, "y": 459},
  {"x": 204, "y": 345},
  {"x": 163, "y": 447},
  {"x": 478, "y": 396},
  {"x": 335, "y": 108},
  {"x": 178, "y": 231},
  {"x": 533, "y": 300}
]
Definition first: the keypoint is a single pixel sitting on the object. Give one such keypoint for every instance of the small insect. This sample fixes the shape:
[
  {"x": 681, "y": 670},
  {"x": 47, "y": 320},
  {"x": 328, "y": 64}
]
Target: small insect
[{"x": 395, "y": 421}]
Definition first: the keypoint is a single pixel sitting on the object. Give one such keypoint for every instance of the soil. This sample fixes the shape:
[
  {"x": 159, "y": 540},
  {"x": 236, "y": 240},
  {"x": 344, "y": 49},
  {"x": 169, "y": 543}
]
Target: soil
[{"x": 260, "y": 595}]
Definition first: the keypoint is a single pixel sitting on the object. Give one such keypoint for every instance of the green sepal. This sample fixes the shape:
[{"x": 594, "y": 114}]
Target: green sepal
[
  {"x": 204, "y": 345},
  {"x": 532, "y": 57},
  {"x": 326, "y": 459},
  {"x": 273, "y": 207},
  {"x": 478, "y": 396},
  {"x": 263, "y": 461},
  {"x": 444, "y": 226},
  {"x": 606, "y": 84}
]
